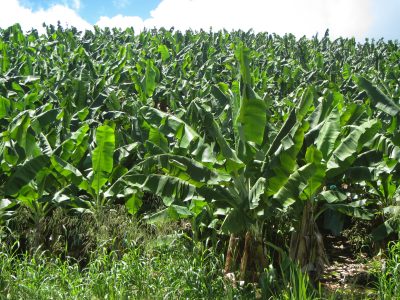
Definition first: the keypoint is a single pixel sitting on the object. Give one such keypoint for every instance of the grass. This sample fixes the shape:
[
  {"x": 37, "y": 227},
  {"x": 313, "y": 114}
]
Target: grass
[
  {"x": 388, "y": 285},
  {"x": 164, "y": 272},
  {"x": 175, "y": 271},
  {"x": 109, "y": 256},
  {"x": 161, "y": 272},
  {"x": 117, "y": 258}
]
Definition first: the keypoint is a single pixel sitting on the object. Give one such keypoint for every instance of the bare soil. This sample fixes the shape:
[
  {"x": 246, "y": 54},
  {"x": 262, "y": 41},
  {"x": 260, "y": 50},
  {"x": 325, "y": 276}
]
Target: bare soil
[{"x": 348, "y": 273}]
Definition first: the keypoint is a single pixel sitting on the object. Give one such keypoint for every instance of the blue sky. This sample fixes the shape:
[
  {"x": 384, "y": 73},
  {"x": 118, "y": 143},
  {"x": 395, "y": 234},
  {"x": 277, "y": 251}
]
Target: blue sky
[
  {"x": 387, "y": 22},
  {"x": 358, "y": 18},
  {"x": 140, "y": 8},
  {"x": 92, "y": 10}
]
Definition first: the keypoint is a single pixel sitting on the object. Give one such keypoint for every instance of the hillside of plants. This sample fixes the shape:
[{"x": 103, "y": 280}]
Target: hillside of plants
[{"x": 198, "y": 165}]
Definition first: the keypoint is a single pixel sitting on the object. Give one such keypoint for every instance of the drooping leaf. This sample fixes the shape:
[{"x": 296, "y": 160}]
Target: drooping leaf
[
  {"x": 69, "y": 172},
  {"x": 382, "y": 231},
  {"x": 354, "y": 209},
  {"x": 293, "y": 121},
  {"x": 329, "y": 133},
  {"x": 304, "y": 182},
  {"x": 235, "y": 222},
  {"x": 102, "y": 156},
  {"x": 252, "y": 112},
  {"x": 158, "y": 139},
  {"x": 163, "y": 50},
  {"x": 25, "y": 174},
  {"x": 380, "y": 100},
  {"x": 332, "y": 196},
  {"x": 233, "y": 163},
  {"x": 172, "y": 213},
  {"x": 345, "y": 154},
  {"x": 133, "y": 204},
  {"x": 4, "y": 107},
  {"x": 256, "y": 192},
  {"x": 252, "y": 116},
  {"x": 149, "y": 80},
  {"x": 181, "y": 167},
  {"x": 169, "y": 188},
  {"x": 221, "y": 196},
  {"x": 278, "y": 166}
]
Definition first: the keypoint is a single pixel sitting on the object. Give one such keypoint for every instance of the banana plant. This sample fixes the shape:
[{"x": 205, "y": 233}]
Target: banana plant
[
  {"x": 339, "y": 136},
  {"x": 93, "y": 180},
  {"x": 245, "y": 178},
  {"x": 54, "y": 177},
  {"x": 351, "y": 146},
  {"x": 29, "y": 180},
  {"x": 213, "y": 128},
  {"x": 381, "y": 177}
]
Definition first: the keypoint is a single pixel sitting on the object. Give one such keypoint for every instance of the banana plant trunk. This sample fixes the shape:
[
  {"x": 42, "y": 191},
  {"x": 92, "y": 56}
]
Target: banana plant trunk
[
  {"x": 252, "y": 260},
  {"x": 307, "y": 246},
  {"x": 231, "y": 253}
]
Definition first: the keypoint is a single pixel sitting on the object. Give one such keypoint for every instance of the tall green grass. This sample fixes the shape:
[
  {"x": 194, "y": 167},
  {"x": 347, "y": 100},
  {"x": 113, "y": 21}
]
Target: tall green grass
[
  {"x": 388, "y": 285},
  {"x": 163, "y": 272},
  {"x": 121, "y": 259},
  {"x": 114, "y": 258}
]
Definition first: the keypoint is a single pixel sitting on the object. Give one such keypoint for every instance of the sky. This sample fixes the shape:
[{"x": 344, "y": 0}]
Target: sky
[{"x": 348, "y": 18}]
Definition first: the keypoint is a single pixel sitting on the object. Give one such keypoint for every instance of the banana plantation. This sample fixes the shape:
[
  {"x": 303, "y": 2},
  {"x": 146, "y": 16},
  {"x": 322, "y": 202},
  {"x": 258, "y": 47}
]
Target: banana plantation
[{"x": 255, "y": 150}]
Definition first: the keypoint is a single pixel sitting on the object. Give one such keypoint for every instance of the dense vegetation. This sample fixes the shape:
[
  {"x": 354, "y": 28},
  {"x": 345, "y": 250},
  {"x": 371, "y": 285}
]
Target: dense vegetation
[{"x": 248, "y": 149}]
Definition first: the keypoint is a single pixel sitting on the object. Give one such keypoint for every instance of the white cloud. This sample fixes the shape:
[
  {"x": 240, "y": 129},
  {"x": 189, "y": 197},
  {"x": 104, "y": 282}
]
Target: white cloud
[
  {"x": 120, "y": 21},
  {"x": 301, "y": 17},
  {"x": 13, "y": 12}
]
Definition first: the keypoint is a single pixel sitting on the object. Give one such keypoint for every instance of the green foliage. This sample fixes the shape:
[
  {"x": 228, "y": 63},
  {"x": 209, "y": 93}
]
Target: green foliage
[
  {"x": 227, "y": 128},
  {"x": 389, "y": 276},
  {"x": 150, "y": 270},
  {"x": 102, "y": 157}
]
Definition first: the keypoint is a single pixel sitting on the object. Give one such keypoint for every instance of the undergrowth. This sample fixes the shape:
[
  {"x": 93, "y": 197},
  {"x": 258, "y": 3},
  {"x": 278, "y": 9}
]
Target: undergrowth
[{"x": 113, "y": 256}]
